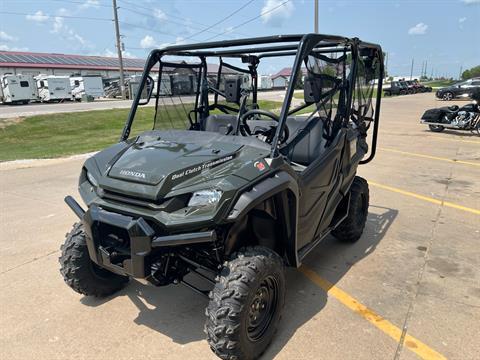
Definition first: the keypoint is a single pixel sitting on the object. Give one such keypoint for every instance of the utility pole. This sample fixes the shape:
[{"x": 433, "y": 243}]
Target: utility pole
[
  {"x": 411, "y": 71},
  {"x": 316, "y": 16},
  {"x": 386, "y": 64},
  {"x": 425, "y": 68},
  {"x": 119, "y": 48},
  {"x": 460, "y": 75}
]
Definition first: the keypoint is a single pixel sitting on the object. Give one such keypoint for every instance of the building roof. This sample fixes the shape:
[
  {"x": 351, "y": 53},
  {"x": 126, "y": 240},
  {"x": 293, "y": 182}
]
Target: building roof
[
  {"x": 20, "y": 59},
  {"x": 63, "y": 61},
  {"x": 286, "y": 72}
]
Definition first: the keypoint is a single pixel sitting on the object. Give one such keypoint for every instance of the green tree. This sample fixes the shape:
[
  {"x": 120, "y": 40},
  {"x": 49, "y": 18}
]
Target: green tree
[{"x": 471, "y": 73}]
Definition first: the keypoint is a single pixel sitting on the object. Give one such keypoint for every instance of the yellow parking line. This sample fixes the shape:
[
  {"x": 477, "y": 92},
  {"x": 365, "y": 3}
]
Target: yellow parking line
[
  {"x": 425, "y": 198},
  {"x": 430, "y": 157},
  {"x": 411, "y": 343}
]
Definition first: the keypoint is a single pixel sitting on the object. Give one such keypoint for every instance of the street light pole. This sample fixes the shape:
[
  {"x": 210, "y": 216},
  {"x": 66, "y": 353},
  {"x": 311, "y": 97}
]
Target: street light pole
[
  {"x": 316, "y": 17},
  {"x": 119, "y": 49}
]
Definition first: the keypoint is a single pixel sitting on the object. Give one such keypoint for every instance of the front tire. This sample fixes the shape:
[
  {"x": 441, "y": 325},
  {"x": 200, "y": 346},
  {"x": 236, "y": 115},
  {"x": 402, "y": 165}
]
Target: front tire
[
  {"x": 246, "y": 304},
  {"x": 81, "y": 273},
  {"x": 351, "y": 229}
]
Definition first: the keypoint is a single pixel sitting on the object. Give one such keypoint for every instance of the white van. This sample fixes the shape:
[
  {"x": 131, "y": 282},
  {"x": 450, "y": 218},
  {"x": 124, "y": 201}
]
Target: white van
[
  {"x": 18, "y": 89},
  {"x": 53, "y": 88}
]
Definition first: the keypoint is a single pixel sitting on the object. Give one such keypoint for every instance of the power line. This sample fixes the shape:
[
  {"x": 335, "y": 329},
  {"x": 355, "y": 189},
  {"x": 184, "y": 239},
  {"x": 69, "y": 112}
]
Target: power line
[
  {"x": 56, "y": 16},
  {"x": 225, "y": 18},
  {"x": 63, "y": 1},
  {"x": 172, "y": 16},
  {"x": 248, "y": 21}
]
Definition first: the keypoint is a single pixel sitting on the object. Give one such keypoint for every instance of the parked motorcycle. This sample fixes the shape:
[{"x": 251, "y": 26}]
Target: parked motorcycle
[{"x": 466, "y": 117}]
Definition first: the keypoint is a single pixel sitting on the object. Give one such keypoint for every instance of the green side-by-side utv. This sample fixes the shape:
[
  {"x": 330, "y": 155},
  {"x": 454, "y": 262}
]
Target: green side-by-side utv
[{"x": 224, "y": 185}]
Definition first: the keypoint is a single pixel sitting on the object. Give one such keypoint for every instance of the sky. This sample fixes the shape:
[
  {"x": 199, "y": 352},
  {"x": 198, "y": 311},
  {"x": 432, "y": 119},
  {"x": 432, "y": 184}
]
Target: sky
[{"x": 443, "y": 33}]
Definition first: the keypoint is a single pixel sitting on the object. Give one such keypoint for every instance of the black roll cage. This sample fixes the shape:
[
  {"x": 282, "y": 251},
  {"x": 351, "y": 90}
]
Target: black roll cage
[{"x": 299, "y": 44}]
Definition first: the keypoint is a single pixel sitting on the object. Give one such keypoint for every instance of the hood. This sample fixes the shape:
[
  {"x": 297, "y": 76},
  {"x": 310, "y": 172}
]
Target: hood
[{"x": 152, "y": 160}]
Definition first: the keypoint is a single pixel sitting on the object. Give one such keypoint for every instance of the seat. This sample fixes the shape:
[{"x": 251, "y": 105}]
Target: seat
[
  {"x": 306, "y": 142},
  {"x": 220, "y": 123}
]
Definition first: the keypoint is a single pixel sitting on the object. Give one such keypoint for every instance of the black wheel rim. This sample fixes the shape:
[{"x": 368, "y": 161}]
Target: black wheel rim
[{"x": 262, "y": 308}]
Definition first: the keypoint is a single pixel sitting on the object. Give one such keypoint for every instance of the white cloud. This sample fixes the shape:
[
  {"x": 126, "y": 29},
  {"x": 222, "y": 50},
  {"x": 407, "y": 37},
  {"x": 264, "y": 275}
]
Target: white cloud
[
  {"x": 7, "y": 37},
  {"x": 159, "y": 14},
  {"x": 66, "y": 32},
  {"x": 63, "y": 12},
  {"x": 419, "y": 29},
  {"x": 89, "y": 3},
  {"x": 39, "y": 16},
  {"x": 57, "y": 25},
  {"x": 147, "y": 42},
  {"x": 4, "y": 47},
  {"x": 462, "y": 20},
  {"x": 113, "y": 54},
  {"x": 228, "y": 30},
  {"x": 470, "y": 2},
  {"x": 275, "y": 12}
]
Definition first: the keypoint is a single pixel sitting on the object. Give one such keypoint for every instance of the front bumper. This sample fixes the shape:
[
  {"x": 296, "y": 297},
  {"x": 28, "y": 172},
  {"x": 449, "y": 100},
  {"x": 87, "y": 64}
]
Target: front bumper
[{"x": 138, "y": 240}]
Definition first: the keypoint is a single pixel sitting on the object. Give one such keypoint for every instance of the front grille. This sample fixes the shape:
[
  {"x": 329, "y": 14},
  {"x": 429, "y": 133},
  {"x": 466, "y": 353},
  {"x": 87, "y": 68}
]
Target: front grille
[{"x": 122, "y": 198}]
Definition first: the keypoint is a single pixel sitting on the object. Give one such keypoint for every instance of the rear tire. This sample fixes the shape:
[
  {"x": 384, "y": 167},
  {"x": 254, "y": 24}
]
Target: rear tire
[
  {"x": 351, "y": 229},
  {"x": 246, "y": 304},
  {"x": 81, "y": 273},
  {"x": 436, "y": 128}
]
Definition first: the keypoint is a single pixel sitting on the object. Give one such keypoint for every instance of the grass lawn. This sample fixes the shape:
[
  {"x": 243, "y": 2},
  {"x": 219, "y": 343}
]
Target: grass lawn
[
  {"x": 439, "y": 83},
  {"x": 55, "y": 135}
]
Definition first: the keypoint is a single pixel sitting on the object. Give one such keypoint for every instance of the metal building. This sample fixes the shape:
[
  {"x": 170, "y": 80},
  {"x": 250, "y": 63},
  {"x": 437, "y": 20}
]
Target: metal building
[{"x": 29, "y": 63}]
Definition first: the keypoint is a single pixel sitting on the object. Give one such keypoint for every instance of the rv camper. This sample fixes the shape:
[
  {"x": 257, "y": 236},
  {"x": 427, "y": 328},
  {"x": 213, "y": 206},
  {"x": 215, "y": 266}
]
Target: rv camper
[
  {"x": 165, "y": 85},
  {"x": 265, "y": 82},
  {"x": 183, "y": 84},
  {"x": 134, "y": 85},
  {"x": 86, "y": 85},
  {"x": 18, "y": 89},
  {"x": 53, "y": 88}
]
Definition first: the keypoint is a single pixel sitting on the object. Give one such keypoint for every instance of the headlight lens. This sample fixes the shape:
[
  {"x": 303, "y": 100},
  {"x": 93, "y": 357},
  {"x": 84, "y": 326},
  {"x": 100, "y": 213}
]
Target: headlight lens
[
  {"x": 205, "y": 198},
  {"x": 91, "y": 179}
]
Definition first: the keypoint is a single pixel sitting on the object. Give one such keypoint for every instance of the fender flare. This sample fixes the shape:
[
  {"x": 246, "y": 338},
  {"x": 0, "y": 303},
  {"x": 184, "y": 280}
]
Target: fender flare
[{"x": 280, "y": 184}]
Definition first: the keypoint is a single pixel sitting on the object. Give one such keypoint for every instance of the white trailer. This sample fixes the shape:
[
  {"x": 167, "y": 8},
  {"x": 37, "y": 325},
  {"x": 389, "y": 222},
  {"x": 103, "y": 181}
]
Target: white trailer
[
  {"x": 53, "y": 88},
  {"x": 18, "y": 89},
  {"x": 86, "y": 85},
  {"x": 265, "y": 82},
  {"x": 165, "y": 86}
]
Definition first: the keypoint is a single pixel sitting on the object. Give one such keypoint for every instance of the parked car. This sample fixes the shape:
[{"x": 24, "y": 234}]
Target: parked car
[
  {"x": 460, "y": 89},
  {"x": 410, "y": 88},
  {"x": 395, "y": 88},
  {"x": 418, "y": 87}
]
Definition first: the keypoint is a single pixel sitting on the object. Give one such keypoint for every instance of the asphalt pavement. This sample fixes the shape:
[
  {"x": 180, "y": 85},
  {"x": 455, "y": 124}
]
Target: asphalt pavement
[{"x": 409, "y": 288}]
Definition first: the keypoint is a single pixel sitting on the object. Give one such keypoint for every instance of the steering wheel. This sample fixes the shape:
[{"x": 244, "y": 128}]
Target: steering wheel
[{"x": 267, "y": 135}]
